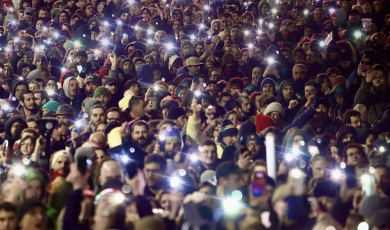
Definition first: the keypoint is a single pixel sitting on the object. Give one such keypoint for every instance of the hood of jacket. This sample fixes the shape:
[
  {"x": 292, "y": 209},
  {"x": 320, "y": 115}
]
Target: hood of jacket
[
  {"x": 66, "y": 85},
  {"x": 344, "y": 130},
  {"x": 15, "y": 84},
  {"x": 89, "y": 104},
  {"x": 145, "y": 74},
  {"x": 8, "y": 126},
  {"x": 226, "y": 59}
]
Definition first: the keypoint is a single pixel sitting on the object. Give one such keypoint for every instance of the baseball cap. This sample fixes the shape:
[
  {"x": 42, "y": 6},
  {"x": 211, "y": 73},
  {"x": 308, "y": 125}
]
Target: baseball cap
[{"x": 92, "y": 78}]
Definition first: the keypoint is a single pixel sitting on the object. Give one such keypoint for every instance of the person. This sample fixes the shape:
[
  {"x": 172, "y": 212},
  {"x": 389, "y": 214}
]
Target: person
[
  {"x": 8, "y": 217},
  {"x": 155, "y": 168},
  {"x": 28, "y": 108}
]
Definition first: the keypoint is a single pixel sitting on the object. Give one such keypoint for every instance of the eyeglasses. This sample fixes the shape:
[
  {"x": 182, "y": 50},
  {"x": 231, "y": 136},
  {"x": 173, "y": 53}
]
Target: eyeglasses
[{"x": 27, "y": 144}]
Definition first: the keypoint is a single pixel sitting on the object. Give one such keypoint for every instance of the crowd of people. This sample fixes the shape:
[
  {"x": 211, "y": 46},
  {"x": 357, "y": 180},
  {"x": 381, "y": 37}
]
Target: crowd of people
[{"x": 195, "y": 114}]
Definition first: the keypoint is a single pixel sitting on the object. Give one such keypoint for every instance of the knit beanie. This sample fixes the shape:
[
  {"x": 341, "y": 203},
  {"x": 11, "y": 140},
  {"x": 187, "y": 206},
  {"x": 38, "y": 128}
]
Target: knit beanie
[
  {"x": 274, "y": 107},
  {"x": 227, "y": 129},
  {"x": 171, "y": 133},
  {"x": 262, "y": 122},
  {"x": 186, "y": 43},
  {"x": 86, "y": 152},
  {"x": 176, "y": 112},
  {"x": 267, "y": 81},
  {"x": 81, "y": 53},
  {"x": 51, "y": 105},
  {"x": 103, "y": 72},
  {"x": 101, "y": 90},
  {"x": 58, "y": 154}
]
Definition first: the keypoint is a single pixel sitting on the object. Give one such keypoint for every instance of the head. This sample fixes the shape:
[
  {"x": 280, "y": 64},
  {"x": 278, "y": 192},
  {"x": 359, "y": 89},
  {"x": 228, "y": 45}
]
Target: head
[
  {"x": 299, "y": 71},
  {"x": 354, "y": 154},
  {"x": 140, "y": 132},
  {"x": 27, "y": 100},
  {"x": 61, "y": 162},
  {"x": 207, "y": 153},
  {"x": 8, "y": 216},
  {"x": 110, "y": 169},
  {"x": 98, "y": 114},
  {"x": 352, "y": 118},
  {"x": 154, "y": 171},
  {"x": 137, "y": 106}
]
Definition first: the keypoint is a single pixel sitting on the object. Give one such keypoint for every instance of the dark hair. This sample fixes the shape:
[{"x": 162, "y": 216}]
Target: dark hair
[
  {"x": 154, "y": 158},
  {"x": 8, "y": 207},
  {"x": 44, "y": 95},
  {"x": 348, "y": 114},
  {"x": 24, "y": 92},
  {"x": 135, "y": 100},
  {"x": 115, "y": 109},
  {"x": 237, "y": 81},
  {"x": 139, "y": 123},
  {"x": 208, "y": 143},
  {"x": 354, "y": 145}
]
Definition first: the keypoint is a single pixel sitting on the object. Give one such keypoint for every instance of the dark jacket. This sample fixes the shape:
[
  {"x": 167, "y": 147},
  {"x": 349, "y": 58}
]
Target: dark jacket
[{"x": 8, "y": 126}]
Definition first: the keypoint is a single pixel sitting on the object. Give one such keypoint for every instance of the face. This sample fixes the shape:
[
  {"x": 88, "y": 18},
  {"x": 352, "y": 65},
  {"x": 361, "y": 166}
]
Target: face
[
  {"x": 319, "y": 169},
  {"x": 309, "y": 90},
  {"x": 35, "y": 219},
  {"x": 268, "y": 88},
  {"x": 334, "y": 153},
  {"x": 97, "y": 115},
  {"x": 139, "y": 109},
  {"x": 103, "y": 99},
  {"x": 311, "y": 57},
  {"x": 232, "y": 182},
  {"x": 172, "y": 147},
  {"x": 62, "y": 18},
  {"x": 140, "y": 134},
  {"x": 29, "y": 102},
  {"x": 348, "y": 137},
  {"x": 25, "y": 71},
  {"x": 27, "y": 147},
  {"x": 153, "y": 175},
  {"x": 113, "y": 116},
  {"x": 180, "y": 122},
  {"x": 63, "y": 119},
  {"x": 354, "y": 156},
  {"x": 288, "y": 93},
  {"x": 299, "y": 72},
  {"x": 339, "y": 100},
  {"x": 62, "y": 165},
  {"x": 110, "y": 170},
  {"x": 356, "y": 122},
  {"x": 297, "y": 141},
  {"x": 246, "y": 105},
  {"x": 253, "y": 147},
  {"x": 233, "y": 118},
  {"x": 380, "y": 79},
  {"x": 72, "y": 88},
  {"x": 7, "y": 220},
  {"x": 194, "y": 69},
  {"x": 33, "y": 190},
  {"x": 229, "y": 140}
]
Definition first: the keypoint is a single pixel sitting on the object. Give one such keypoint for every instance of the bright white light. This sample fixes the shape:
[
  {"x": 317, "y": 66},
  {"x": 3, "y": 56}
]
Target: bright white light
[
  {"x": 313, "y": 150},
  {"x": 371, "y": 170},
  {"x": 37, "y": 49},
  {"x": 245, "y": 3},
  {"x": 363, "y": 226},
  {"x": 197, "y": 93},
  {"x": 77, "y": 43},
  {"x": 330, "y": 228},
  {"x": 26, "y": 161},
  {"x": 206, "y": 7},
  {"x": 274, "y": 10},
  {"x": 237, "y": 195},
  {"x": 250, "y": 46},
  {"x": 331, "y": 10},
  {"x": 161, "y": 137},
  {"x": 343, "y": 165},
  {"x": 63, "y": 69},
  {"x": 19, "y": 170},
  {"x": 357, "y": 34},
  {"x": 5, "y": 107},
  {"x": 96, "y": 52},
  {"x": 288, "y": 157},
  {"x": 156, "y": 88},
  {"x": 271, "y": 25},
  {"x": 322, "y": 43},
  {"x": 119, "y": 22},
  {"x": 201, "y": 26},
  {"x": 382, "y": 149},
  {"x": 45, "y": 28},
  {"x": 17, "y": 40},
  {"x": 182, "y": 172},
  {"x": 7, "y": 49},
  {"x": 336, "y": 174},
  {"x": 149, "y": 41},
  {"x": 20, "y": 78},
  {"x": 231, "y": 205},
  {"x": 119, "y": 198},
  {"x": 306, "y": 12},
  {"x": 149, "y": 31},
  {"x": 105, "y": 42},
  {"x": 169, "y": 46},
  {"x": 192, "y": 37},
  {"x": 56, "y": 35},
  {"x": 365, "y": 178},
  {"x": 105, "y": 23},
  {"x": 125, "y": 36},
  {"x": 301, "y": 142},
  {"x": 194, "y": 157},
  {"x": 125, "y": 159},
  {"x": 11, "y": 9},
  {"x": 260, "y": 21},
  {"x": 78, "y": 123},
  {"x": 296, "y": 173},
  {"x": 246, "y": 32},
  {"x": 270, "y": 60},
  {"x": 259, "y": 31},
  {"x": 175, "y": 181},
  {"x": 136, "y": 28}
]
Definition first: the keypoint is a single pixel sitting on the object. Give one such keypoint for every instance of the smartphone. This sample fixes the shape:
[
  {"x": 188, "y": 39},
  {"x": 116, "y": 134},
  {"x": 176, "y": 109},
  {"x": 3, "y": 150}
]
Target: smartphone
[
  {"x": 258, "y": 184},
  {"x": 82, "y": 164},
  {"x": 350, "y": 176},
  {"x": 297, "y": 180},
  {"x": 368, "y": 184},
  {"x": 196, "y": 79}
]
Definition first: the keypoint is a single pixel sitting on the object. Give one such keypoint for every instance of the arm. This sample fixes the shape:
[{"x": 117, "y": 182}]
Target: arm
[
  {"x": 363, "y": 94},
  {"x": 300, "y": 121},
  {"x": 194, "y": 122}
]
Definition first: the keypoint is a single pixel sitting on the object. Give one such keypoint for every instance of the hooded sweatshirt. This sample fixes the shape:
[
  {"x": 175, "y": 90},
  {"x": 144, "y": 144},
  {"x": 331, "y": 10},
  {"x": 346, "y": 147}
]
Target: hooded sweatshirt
[
  {"x": 145, "y": 76},
  {"x": 225, "y": 60},
  {"x": 8, "y": 126},
  {"x": 16, "y": 83},
  {"x": 75, "y": 102}
]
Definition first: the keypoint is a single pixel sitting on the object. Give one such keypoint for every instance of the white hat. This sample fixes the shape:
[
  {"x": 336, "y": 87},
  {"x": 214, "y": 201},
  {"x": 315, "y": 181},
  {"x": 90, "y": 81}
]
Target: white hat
[{"x": 274, "y": 107}]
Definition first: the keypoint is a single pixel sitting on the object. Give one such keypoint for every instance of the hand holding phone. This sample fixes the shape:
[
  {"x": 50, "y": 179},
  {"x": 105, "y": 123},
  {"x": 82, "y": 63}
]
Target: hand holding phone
[{"x": 258, "y": 184}]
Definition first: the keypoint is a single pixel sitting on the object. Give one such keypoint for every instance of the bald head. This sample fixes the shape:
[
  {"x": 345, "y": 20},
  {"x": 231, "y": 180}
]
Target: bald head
[
  {"x": 110, "y": 170},
  {"x": 98, "y": 139},
  {"x": 299, "y": 71}
]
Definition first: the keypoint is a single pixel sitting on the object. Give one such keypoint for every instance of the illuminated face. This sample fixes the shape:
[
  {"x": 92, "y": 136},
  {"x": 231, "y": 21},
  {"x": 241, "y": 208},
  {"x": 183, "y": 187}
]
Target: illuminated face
[
  {"x": 62, "y": 165},
  {"x": 354, "y": 156},
  {"x": 103, "y": 99},
  {"x": 288, "y": 93},
  {"x": 319, "y": 169},
  {"x": 140, "y": 134},
  {"x": 19, "y": 90},
  {"x": 208, "y": 154},
  {"x": 62, "y": 18}
]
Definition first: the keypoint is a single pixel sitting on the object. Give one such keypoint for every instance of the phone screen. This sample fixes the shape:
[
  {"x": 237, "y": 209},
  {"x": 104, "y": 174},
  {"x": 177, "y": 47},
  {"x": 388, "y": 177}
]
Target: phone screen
[{"x": 258, "y": 184}]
